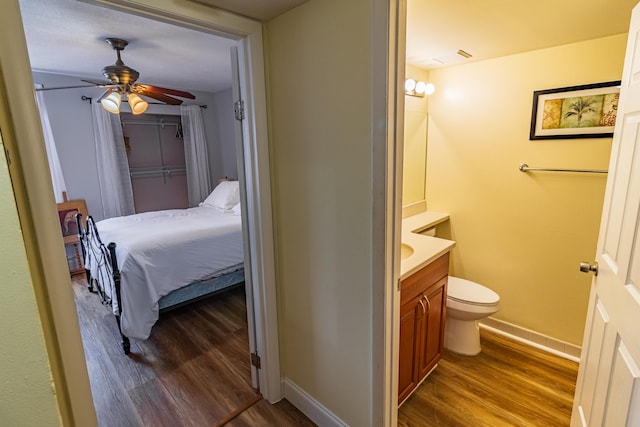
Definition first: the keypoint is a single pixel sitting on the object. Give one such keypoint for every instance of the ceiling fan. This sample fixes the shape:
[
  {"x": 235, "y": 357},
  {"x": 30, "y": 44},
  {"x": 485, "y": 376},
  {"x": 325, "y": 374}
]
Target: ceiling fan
[{"x": 122, "y": 82}]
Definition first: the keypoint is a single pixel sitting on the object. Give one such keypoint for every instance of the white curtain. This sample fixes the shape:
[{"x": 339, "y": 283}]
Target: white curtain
[
  {"x": 195, "y": 153},
  {"x": 112, "y": 164},
  {"x": 57, "y": 178}
]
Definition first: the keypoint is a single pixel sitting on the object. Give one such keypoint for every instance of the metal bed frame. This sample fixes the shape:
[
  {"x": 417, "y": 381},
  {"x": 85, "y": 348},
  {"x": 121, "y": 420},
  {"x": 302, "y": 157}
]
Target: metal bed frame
[{"x": 107, "y": 265}]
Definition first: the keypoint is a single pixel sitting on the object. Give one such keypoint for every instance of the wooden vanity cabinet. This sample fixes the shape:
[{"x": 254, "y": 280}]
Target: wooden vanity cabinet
[{"x": 422, "y": 314}]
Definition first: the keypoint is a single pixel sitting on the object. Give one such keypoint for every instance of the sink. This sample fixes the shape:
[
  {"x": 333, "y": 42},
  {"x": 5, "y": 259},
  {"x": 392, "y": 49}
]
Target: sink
[{"x": 405, "y": 251}]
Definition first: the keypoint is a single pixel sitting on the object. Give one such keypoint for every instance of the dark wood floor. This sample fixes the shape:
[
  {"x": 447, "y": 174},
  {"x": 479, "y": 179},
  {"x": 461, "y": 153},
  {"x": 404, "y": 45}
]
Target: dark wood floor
[
  {"x": 507, "y": 384},
  {"x": 193, "y": 370}
]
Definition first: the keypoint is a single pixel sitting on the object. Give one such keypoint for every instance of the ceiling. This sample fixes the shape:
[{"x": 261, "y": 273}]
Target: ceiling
[
  {"x": 494, "y": 28},
  {"x": 67, "y": 36},
  {"x": 262, "y": 10}
]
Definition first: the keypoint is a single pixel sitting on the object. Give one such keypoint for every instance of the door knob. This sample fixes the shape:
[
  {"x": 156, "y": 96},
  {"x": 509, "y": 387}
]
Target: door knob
[{"x": 585, "y": 267}]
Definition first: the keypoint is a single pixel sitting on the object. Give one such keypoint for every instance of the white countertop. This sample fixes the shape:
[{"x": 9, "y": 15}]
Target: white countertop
[{"x": 425, "y": 248}]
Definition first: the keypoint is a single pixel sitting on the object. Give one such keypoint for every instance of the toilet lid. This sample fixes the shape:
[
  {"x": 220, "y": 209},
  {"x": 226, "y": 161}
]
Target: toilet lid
[{"x": 469, "y": 292}]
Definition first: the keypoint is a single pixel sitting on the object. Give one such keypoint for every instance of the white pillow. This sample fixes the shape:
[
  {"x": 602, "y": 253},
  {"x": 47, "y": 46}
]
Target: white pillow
[
  {"x": 225, "y": 196},
  {"x": 236, "y": 209}
]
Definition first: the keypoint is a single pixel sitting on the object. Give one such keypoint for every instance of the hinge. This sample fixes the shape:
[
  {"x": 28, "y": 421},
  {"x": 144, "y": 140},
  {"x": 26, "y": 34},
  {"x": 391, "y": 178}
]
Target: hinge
[
  {"x": 238, "y": 109},
  {"x": 255, "y": 360}
]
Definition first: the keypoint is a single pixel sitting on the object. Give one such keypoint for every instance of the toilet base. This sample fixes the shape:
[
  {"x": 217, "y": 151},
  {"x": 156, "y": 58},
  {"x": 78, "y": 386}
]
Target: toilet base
[{"x": 462, "y": 336}]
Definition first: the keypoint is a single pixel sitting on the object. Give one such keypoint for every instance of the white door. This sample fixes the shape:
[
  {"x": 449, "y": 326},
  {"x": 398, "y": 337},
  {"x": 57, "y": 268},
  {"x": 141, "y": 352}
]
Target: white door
[
  {"x": 246, "y": 240},
  {"x": 608, "y": 388}
]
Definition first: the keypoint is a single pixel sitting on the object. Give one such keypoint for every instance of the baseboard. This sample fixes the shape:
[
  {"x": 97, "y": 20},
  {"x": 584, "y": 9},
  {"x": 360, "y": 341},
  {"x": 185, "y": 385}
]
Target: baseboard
[
  {"x": 533, "y": 338},
  {"x": 309, "y": 406}
]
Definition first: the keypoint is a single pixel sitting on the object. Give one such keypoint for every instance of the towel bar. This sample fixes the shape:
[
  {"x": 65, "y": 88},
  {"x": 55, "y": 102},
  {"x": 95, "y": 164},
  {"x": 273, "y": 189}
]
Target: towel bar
[{"x": 525, "y": 168}]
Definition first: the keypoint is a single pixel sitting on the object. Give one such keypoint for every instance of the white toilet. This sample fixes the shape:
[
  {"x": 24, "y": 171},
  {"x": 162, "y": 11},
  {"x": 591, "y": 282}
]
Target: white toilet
[{"x": 467, "y": 302}]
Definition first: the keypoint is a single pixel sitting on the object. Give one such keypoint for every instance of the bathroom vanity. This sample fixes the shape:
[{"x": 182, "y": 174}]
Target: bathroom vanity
[{"x": 423, "y": 296}]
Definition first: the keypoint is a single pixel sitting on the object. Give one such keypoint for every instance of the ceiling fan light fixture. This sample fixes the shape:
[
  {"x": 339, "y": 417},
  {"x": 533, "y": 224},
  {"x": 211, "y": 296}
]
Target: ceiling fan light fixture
[
  {"x": 111, "y": 102},
  {"x": 137, "y": 104}
]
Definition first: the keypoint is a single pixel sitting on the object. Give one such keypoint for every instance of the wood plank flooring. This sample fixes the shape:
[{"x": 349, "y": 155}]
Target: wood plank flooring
[
  {"x": 507, "y": 384},
  {"x": 193, "y": 371}
]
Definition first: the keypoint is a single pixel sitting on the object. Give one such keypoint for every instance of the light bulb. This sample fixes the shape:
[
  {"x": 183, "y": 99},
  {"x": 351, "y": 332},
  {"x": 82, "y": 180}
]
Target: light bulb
[
  {"x": 420, "y": 87},
  {"x": 111, "y": 102},
  {"x": 137, "y": 104},
  {"x": 429, "y": 88},
  {"x": 409, "y": 85}
]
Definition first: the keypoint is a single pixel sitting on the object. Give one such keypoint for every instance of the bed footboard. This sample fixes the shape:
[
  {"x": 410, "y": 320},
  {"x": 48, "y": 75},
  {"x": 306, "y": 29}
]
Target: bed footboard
[
  {"x": 84, "y": 241},
  {"x": 103, "y": 274}
]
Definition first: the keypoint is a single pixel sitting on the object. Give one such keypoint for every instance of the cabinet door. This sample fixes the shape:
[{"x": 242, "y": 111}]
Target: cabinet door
[
  {"x": 433, "y": 332},
  {"x": 411, "y": 320}
]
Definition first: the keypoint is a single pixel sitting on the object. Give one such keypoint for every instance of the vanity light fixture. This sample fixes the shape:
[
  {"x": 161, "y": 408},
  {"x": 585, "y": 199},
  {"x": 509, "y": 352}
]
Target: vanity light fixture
[{"x": 418, "y": 88}]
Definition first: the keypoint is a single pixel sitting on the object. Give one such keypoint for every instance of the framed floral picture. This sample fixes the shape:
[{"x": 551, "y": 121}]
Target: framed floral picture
[{"x": 587, "y": 111}]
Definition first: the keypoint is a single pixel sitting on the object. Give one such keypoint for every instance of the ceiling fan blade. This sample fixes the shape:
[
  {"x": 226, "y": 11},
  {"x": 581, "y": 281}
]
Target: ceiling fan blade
[
  {"x": 100, "y": 83},
  {"x": 159, "y": 96},
  {"x": 164, "y": 90}
]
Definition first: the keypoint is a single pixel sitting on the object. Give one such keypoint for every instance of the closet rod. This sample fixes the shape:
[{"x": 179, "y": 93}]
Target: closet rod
[
  {"x": 525, "y": 168},
  {"x": 140, "y": 122},
  {"x": 158, "y": 171}
]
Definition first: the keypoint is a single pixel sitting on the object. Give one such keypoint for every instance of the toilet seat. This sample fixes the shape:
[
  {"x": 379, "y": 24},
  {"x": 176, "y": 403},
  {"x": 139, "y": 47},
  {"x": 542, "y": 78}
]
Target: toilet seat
[{"x": 472, "y": 293}]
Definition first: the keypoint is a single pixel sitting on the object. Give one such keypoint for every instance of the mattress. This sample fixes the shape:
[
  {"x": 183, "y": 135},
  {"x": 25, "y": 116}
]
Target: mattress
[{"x": 159, "y": 252}]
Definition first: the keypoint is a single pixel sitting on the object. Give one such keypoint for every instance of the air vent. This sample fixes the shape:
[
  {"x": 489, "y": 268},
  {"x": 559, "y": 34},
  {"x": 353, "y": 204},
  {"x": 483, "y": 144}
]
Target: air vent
[{"x": 452, "y": 57}]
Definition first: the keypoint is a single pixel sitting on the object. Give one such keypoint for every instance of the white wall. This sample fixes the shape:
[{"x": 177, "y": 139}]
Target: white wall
[{"x": 73, "y": 131}]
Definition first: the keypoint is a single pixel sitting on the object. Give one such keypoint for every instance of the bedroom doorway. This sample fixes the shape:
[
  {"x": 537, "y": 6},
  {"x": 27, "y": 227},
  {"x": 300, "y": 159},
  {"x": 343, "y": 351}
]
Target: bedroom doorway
[{"x": 248, "y": 34}]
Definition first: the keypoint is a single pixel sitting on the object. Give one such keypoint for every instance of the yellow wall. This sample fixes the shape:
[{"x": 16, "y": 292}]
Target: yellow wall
[
  {"x": 522, "y": 235},
  {"x": 26, "y": 391},
  {"x": 319, "y": 79}
]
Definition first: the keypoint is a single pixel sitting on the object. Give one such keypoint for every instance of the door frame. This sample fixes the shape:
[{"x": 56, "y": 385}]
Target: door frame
[
  {"x": 388, "y": 334},
  {"x": 36, "y": 205}
]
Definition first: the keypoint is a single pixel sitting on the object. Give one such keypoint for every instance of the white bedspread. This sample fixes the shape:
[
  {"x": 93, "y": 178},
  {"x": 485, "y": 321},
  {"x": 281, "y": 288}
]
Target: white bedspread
[{"x": 161, "y": 251}]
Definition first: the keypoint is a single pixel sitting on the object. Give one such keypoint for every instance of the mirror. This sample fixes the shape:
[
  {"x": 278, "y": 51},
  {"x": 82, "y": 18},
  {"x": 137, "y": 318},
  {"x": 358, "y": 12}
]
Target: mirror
[
  {"x": 415, "y": 156},
  {"x": 415, "y": 147}
]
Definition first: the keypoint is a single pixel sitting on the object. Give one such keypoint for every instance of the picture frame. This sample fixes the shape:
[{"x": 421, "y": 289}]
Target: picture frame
[
  {"x": 67, "y": 217},
  {"x": 586, "y": 111}
]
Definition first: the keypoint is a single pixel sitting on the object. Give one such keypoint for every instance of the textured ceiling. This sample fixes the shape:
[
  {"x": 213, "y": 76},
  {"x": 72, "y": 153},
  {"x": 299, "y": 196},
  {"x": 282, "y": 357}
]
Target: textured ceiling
[{"x": 67, "y": 37}]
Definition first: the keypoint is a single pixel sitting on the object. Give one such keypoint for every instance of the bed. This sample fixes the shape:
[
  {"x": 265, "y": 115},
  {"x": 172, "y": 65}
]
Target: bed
[{"x": 155, "y": 261}]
